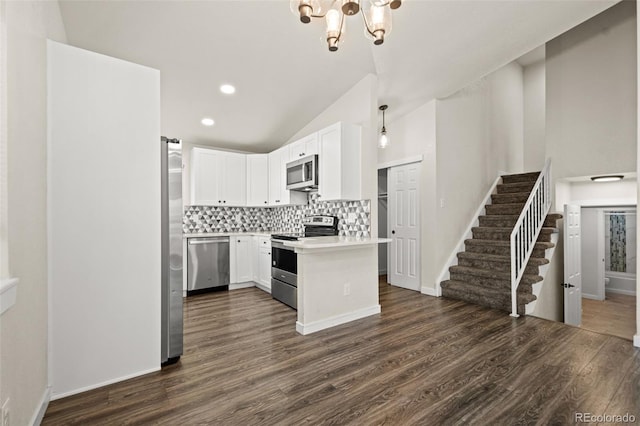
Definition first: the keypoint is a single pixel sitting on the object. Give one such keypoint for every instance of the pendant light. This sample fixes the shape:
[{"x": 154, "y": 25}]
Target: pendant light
[{"x": 383, "y": 140}]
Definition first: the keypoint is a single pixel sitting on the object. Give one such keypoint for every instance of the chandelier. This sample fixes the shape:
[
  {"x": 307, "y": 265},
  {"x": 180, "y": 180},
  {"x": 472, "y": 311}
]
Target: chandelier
[{"x": 377, "y": 17}]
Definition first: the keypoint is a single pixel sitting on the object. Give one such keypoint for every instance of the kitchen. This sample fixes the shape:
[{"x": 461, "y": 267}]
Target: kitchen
[{"x": 226, "y": 193}]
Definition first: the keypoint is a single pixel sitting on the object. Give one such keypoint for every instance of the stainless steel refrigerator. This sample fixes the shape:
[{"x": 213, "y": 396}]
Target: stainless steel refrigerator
[{"x": 172, "y": 210}]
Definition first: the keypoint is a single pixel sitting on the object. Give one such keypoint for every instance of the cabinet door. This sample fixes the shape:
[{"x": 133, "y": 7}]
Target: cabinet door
[
  {"x": 205, "y": 177},
  {"x": 243, "y": 259},
  {"x": 255, "y": 259},
  {"x": 329, "y": 186},
  {"x": 304, "y": 147},
  {"x": 275, "y": 178},
  {"x": 258, "y": 180},
  {"x": 233, "y": 189},
  {"x": 265, "y": 267}
]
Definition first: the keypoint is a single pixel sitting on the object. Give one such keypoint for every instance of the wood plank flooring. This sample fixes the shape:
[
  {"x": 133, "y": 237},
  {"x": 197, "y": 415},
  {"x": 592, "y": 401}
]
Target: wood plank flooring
[
  {"x": 616, "y": 315},
  {"x": 422, "y": 361}
]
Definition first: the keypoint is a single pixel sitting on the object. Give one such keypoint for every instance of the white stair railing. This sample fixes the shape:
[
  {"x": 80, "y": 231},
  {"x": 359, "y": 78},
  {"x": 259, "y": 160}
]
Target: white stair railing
[{"x": 525, "y": 232}]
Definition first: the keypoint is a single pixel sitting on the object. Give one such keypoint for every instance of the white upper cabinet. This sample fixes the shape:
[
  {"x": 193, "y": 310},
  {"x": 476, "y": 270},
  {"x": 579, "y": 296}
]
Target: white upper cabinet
[
  {"x": 218, "y": 178},
  {"x": 204, "y": 176},
  {"x": 233, "y": 189},
  {"x": 279, "y": 195},
  {"x": 258, "y": 180},
  {"x": 340, "y": 163},
  {"x": 304, "y": 147}
]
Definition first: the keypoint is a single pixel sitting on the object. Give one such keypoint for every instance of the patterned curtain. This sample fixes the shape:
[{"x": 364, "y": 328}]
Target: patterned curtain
[{"x": 618, "y": 242}]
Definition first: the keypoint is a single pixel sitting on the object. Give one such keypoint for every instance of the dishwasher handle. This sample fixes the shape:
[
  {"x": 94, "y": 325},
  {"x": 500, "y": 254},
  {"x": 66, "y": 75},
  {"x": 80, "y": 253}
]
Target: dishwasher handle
[{"x": 195, "y": 241}]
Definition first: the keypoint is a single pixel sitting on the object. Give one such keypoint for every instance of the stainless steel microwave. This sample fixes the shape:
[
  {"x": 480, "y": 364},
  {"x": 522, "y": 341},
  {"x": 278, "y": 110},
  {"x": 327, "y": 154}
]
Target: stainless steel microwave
[{"x": 302, "y": 174}]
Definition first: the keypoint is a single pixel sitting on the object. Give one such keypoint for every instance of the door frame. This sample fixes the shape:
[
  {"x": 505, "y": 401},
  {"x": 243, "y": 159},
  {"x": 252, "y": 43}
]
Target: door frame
[{"x": 396, "y": 163}]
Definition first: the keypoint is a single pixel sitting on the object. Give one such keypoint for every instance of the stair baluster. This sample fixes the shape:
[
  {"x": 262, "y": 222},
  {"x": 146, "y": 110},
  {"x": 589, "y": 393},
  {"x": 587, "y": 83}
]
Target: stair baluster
[{"x": 526, "y": 230}]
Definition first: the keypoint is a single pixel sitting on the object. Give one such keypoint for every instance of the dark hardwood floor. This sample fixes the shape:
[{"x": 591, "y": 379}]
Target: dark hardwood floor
[{"x": 423, "y": 361}]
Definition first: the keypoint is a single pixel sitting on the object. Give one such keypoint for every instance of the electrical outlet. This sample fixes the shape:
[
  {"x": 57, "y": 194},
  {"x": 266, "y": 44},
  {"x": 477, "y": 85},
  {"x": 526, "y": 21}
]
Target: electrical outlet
[
  {"x": 441, "y": 203},
  {"x": 347, "y": 289},
  {"x": 5, "y": 413},
  {"x": 351, "y": 217}
]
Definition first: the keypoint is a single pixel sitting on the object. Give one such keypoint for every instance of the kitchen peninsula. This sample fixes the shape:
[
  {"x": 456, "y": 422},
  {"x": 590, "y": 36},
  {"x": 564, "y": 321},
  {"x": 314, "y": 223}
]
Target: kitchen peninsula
[{"x": 337, "y": 280}]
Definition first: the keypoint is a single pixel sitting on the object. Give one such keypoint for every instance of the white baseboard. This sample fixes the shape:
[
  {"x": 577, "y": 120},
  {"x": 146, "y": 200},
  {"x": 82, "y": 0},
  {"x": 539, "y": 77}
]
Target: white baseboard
[
  {"x": 263, "y": 288},
  {"x": 312, "y": 327},
  {"x": 636, "y": 340},
  {"x": 429, "y": 291},
  {"x": 618, "y": 291},
  {"x": 238, "y": 286},
  {"x": 55, "y": 396},
  {"x": 37, "y": 417},
  {"x": 590, "y": 296}
]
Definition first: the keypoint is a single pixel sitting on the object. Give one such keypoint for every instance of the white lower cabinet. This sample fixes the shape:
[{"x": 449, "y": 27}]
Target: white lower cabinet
[
  {"x": 240, "y": 259},
  {"x": 262, "y": 263}
]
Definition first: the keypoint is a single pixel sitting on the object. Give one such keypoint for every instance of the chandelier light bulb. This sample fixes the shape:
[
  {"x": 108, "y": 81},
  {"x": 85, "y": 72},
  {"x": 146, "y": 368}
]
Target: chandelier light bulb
[
  {"x": 350, "y": 7},
  {"x": 333, "y": 29}
]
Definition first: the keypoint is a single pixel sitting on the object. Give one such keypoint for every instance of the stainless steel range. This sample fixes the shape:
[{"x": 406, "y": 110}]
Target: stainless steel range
[{"x": 284, "y": 260}]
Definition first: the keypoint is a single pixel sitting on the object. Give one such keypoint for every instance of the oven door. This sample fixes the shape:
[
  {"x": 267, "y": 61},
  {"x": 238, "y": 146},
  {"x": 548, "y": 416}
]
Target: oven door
[{"x": 284, "y": 263}]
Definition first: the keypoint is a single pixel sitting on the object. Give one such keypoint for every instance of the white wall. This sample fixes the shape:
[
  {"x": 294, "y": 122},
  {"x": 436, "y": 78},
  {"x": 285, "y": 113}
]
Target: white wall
[
  {"x": 104, "y": 219},
  {"x": 534, "y": 116},
  {"x": 23, "y": 328},
  {"x": 592, "y": 257},
  {"x": 591, "y": 87},
  {"x": 415, "y": 135},
  {"x": 591, "y": 102},
  {"x": 506, "y": 93},
  {"x": 624, "y": 192},
  {"x": 479, "y": 135},
  {"x": 636, "y": 338}
]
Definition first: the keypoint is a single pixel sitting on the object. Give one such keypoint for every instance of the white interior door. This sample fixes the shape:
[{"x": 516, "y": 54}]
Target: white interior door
[
  {"x": 572, "y": 266},
  {"x": 404, "y": 226}
]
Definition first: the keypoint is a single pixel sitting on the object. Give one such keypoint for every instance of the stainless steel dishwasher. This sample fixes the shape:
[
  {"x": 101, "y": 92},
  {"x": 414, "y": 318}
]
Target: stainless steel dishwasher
[{"x": 208, "y": 264}]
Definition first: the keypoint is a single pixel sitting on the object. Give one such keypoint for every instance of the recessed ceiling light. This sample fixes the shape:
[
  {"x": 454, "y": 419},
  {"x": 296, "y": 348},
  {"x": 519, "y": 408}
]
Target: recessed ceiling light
[
  {"x": 207, "y": 121},
  {"x": 227, "y": 89},
  {"x": 610, "y": 178}
]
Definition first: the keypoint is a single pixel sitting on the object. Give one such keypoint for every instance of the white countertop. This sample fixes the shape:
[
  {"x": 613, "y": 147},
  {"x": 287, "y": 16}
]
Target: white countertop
[
  {"x": 329, "y": 242},
  {"x": 226, "y": 234}
]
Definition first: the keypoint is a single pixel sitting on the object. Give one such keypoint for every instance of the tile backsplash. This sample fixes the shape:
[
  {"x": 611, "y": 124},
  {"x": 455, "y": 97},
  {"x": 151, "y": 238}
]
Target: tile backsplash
[{"x": 353, "y": 217}]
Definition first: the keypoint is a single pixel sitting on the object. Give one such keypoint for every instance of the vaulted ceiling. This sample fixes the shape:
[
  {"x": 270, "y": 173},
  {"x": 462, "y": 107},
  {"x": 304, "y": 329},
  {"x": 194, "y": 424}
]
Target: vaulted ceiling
[{"x": 282, "y": 70}]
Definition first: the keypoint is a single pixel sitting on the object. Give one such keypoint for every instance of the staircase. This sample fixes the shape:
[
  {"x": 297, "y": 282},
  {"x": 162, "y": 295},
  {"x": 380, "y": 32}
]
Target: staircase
[{"x": 483, "y": 273}]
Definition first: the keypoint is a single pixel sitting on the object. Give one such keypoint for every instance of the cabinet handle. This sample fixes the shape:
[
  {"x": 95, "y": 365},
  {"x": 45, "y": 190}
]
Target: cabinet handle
[
  {"x": 225, "y": 201},
  {"x": 238, "y": 240},
  {"x": 265, "y": 202},
  {"x": 220, "y": 201}
]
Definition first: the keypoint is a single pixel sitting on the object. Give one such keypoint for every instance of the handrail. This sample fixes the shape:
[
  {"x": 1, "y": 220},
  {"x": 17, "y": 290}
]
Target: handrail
[{"x": 527, "y": 228}]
